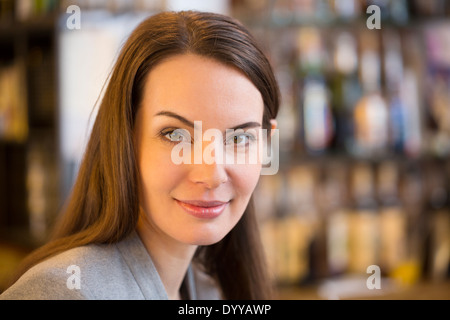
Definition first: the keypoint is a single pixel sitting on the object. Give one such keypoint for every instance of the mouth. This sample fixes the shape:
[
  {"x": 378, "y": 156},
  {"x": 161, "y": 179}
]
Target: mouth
[{"x": 203, "y": 209}]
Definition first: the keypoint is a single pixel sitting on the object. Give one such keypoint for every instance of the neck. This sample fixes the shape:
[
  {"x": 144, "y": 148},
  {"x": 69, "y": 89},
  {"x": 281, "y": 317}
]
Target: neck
[{"x": 170, "y": 257}]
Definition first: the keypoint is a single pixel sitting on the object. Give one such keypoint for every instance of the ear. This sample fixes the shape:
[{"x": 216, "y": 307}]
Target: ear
[{"x": 274, "y": 125}]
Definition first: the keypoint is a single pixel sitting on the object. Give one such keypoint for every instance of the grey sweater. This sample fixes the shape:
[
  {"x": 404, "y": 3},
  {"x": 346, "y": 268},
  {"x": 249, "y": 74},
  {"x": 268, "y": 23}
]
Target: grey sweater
[{"x": 120, "y": 271}]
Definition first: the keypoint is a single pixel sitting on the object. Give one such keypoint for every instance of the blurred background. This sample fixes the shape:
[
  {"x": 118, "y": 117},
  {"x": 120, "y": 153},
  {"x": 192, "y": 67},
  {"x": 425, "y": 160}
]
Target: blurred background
[{"x": 364, "y": 125}]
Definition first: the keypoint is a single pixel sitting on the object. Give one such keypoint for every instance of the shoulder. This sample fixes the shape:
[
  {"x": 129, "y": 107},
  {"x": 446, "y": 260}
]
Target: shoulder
[{"x": 72, "y": 274}]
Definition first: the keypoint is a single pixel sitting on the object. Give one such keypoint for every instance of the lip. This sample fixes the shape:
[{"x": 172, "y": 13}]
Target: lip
[{"x": 203, "y": 209}]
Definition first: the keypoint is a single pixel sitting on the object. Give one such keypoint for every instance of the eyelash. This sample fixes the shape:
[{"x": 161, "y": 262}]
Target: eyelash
[
  {"x": 163, "y": 135},
  {"x": 250, "y": 138}
]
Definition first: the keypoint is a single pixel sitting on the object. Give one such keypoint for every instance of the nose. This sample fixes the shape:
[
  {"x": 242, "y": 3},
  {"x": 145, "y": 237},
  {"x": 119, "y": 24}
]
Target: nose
[{"x": 210, "y": 176}]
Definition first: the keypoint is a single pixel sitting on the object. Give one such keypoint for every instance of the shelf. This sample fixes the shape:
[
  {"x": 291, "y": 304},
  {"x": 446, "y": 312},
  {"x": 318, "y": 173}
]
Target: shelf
[
  {"x": 30, "y": 48},
  {"x": 426, "y": 290},
  {"x": 17, "y": 39}
]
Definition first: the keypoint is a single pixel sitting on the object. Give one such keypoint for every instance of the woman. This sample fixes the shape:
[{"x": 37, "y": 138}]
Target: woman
[{"x": 139, "y": 226}]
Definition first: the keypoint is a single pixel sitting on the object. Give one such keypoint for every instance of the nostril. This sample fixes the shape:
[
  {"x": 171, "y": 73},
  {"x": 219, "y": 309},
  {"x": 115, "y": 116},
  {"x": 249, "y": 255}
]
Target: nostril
[{"x": 211, "y": 176}]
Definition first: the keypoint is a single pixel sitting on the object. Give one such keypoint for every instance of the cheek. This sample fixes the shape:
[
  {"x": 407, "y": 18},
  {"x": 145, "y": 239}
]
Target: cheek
[
  {"x": 157, "y": 172},
  {"x": 245, "y": 179}
]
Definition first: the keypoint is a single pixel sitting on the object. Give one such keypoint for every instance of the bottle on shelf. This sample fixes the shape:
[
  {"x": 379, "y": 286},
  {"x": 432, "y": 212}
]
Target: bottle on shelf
[
  {"x": 287, "y": 115},
  {"x": 428, "y": 9},
  {"x": 318, "y": 119},
  {"x": 437, "y": 261},
  {"x": 394, "y": 11},
  {"x": 346, "y": 9},
  {"x": 393, "y": 74},
  {"x": 297, "y": 227},
  {"x": 393, "y": 220},
  {"x": 270, "y": 202},
  {"x": 364, "y": 220},
  {"x": 409, "y": 94},
  {"x": 399, "y": 11},
  {"x": 402, "y": 92},
  {"x": 370, "y": 114},
  {"x": 37, "y": 188},
  {"x": 315, "y": 105},
  {"x": 334, "y": 205},
  {"x": 13, "y": 104},
  {"x": 344, "y": 86}
]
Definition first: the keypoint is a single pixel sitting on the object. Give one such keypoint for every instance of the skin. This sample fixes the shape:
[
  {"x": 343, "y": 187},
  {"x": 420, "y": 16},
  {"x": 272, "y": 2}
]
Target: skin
[{"x": 194, "y": 88}]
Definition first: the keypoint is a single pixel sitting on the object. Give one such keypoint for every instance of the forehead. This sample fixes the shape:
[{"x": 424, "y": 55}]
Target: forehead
[{"x": 201, "y": 88}]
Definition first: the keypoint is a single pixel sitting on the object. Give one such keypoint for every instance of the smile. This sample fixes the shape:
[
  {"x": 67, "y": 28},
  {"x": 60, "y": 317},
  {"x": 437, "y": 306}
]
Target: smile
[{"x": 203, "y": 209}]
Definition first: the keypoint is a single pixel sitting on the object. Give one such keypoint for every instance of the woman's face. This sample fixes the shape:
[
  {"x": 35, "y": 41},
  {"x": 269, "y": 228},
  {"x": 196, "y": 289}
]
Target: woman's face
[{"x": 195, "y": 203}]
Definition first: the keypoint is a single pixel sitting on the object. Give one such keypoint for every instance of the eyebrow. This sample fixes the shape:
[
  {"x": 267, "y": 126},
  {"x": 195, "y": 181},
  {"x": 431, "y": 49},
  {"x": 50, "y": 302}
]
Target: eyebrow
[{"x": 251, "y": 124}]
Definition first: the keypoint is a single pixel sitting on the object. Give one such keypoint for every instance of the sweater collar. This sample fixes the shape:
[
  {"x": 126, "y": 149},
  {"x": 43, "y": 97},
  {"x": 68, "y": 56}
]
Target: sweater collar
[{"x": 144, "y": 271}]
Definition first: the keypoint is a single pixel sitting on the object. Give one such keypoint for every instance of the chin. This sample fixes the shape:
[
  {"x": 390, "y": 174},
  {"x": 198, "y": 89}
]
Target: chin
[{"x": 204, "y": 237}]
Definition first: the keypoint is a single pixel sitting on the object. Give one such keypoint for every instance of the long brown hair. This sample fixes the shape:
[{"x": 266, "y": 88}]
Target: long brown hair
[{"x": 104, "y": 207}]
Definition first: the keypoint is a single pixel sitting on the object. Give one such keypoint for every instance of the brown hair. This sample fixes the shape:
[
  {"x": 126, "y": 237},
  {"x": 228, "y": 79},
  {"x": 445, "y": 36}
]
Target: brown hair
[{"x": 104, "y": 205}]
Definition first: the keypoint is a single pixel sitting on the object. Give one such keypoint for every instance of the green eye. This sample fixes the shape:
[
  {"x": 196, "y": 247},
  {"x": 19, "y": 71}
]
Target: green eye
[
  {"x": 241, "y": 139},
  {"x": 178, "y": 135}
]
